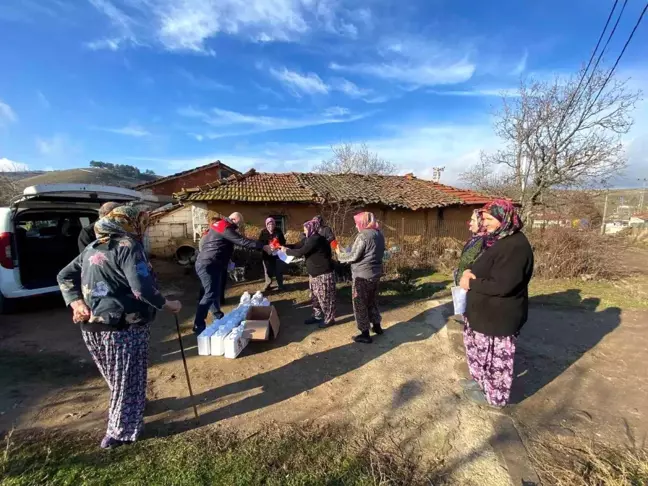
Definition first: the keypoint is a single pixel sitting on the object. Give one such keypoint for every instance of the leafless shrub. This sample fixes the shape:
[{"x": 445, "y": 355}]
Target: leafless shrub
[
  {"x": 570, "y": 253},
  {"x": 348, "y": 158}
]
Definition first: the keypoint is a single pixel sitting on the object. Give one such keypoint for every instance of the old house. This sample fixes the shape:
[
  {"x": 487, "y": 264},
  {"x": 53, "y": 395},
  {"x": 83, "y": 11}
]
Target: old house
[
  {"x": 415, "y": 213},
  {"x": 189, "y": 178}
]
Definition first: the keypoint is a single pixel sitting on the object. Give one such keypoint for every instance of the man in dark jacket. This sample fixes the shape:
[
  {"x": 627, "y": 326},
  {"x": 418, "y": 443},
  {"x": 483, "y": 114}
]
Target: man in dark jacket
[
  {"x": 272, "y": 266},
  {"x": 212, "y": 261},
  {"x": 87, "y": 234}
]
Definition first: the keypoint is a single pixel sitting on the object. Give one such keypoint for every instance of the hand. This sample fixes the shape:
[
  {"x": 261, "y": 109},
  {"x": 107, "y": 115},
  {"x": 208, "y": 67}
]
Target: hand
[
  {"x": 80, "y": 311},
  {"x": 267, "y": 249},
  {"x": 283, "y": 248},
  {"x": 466, "y": 277},
  {"x": 173, "y": 306}
]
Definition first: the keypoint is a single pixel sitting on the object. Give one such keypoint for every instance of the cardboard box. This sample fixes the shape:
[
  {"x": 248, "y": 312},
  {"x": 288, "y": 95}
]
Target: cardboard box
[{"x": 262, "y": 323}]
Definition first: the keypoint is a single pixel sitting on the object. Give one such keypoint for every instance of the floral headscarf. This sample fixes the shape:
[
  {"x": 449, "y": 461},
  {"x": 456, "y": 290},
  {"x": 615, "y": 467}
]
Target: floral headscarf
[
  {"x": 312, "y": 227},
  {"x": 123, "y": 220},
  {"x": 365, "y": 221},
  {"x": 510, "y": 221},
  {"x": 270, "y": 224}
]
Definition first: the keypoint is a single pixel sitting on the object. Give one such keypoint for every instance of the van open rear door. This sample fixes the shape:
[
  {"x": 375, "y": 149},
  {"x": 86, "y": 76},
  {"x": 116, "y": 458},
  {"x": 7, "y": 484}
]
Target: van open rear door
[{"x": 81, "y": 195}]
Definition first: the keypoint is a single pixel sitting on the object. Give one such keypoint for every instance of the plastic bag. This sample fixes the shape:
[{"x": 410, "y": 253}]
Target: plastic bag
[{"x": 459, "y": 300}]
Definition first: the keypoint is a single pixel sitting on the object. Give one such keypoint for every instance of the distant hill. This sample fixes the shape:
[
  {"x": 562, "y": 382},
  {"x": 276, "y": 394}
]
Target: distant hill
[
  {"x": 90, "y": 175},
  {"x": 16, "y": 176}
]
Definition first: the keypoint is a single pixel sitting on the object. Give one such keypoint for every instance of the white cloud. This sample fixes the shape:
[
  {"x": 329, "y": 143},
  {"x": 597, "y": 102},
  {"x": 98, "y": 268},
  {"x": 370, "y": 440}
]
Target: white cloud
[
  {"x": 57, "y": 146},
  {"x": 7, "y": 165},
  {"x": 520, "y": 67},
  {"x": 349, "y": 88},
  {"x": 498, "y": 93},
  {"x": 205, "y": 83},
  {"x": 42, "y": 99},
  {"x": 298, "y": 83},
  {"x": 232, "y": 123},
  {"x": 130, "y": 130},
  {"x": 7, "y": 115},
  {"x": 415, "y": 62},
  {"x": 336, "y": 111},
  {"x": 187, "y": 25}
]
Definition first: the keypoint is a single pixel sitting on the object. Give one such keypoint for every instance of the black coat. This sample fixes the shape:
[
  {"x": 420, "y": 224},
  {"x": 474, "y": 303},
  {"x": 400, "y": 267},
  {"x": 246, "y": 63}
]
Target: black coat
[
  {"x": 265, "y": 238},
  {"x": 218, "y": 244},
  {"x": 317, "y": 252},
  {"x": 86, "y": 236},
  {"x": 498, "y": 300}
]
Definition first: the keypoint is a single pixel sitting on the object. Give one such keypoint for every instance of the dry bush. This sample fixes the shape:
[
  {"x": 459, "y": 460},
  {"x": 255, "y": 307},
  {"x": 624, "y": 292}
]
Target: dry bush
[
  {"x": 577, "y": 462},
  {"x": 572, "y": 253}
]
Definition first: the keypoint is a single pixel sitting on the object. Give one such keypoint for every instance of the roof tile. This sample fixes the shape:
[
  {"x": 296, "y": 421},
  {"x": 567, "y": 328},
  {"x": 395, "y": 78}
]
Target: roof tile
[{"x": 394, "y": 191}]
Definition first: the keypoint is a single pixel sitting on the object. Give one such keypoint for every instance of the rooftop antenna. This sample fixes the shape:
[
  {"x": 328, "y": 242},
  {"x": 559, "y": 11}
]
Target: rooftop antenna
[{"x": 436, "y": 173}]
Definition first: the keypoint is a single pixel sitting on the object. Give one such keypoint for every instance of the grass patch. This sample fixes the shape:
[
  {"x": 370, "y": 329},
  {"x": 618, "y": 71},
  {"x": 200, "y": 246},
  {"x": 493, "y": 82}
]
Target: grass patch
[
  {"x": 630, "y": 293},
  {"x": 288, "y": 455},
  {"x": 576, "y": 462},
  {"x": 395, "y": 292}
]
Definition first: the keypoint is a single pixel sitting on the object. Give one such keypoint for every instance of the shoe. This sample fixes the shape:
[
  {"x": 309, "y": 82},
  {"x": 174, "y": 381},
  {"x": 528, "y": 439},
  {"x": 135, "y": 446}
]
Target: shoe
[
  {"x": 218, "y": 315},
  {"x": 377, "y": 329},
  {"x": 324, "y": 325},
  {"x": 313, "y": 320},
  {"x": 197, "y": 330},
  {"x": 364, "y": 338},
  {"x": 478, "y": 397},
  {"x": 109, "y": 443},
  {"x": 469, "y": 384}
]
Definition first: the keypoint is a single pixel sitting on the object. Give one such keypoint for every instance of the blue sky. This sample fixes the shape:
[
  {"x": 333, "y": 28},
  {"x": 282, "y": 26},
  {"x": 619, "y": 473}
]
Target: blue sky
[{"x": 271, "y": 84}]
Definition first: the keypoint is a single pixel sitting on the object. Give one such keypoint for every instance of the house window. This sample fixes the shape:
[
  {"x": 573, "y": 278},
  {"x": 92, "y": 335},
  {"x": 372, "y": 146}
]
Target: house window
[{"x": 280, "y": 221}]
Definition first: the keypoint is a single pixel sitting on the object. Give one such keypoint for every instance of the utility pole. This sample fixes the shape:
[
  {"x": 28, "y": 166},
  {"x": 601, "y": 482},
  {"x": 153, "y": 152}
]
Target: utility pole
[
  {"x": 605, "y": 209},
  {"x": 642, "y": 197}
]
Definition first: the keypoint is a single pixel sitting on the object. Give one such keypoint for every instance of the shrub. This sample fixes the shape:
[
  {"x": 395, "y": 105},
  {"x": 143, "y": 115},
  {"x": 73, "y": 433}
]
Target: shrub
[{"x": 573, "y": 253}]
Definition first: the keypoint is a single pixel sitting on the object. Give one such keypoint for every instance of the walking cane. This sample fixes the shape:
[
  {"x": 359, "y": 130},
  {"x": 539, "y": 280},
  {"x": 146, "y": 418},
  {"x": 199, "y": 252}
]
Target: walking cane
[{"x": 184, "y": 360}]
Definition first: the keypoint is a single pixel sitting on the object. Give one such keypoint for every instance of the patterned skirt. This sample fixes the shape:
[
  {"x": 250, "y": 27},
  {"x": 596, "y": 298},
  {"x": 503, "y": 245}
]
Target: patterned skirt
[
  {"x": 490, "y": 361},
  {"x": 322, "y": 290},
  {"x": 122, "y": 359}
]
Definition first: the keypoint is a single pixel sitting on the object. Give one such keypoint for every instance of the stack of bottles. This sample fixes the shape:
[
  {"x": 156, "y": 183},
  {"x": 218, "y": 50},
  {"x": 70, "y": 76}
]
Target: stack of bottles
[{"x": 212, "y": 341}]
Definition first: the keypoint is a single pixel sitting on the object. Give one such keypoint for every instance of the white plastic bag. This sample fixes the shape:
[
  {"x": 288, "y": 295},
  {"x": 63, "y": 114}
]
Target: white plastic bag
[{"x": 459, "y": 298}]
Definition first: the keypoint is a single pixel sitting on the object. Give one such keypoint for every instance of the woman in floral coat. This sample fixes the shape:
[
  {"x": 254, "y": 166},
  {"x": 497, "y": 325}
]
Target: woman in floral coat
[{"x": 114, "y": 297}]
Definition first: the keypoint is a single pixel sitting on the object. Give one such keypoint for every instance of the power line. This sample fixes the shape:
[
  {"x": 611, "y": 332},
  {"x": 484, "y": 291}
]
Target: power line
[
  {"x": 643, "y": 12},
  {"x": 598, "y": 43}
]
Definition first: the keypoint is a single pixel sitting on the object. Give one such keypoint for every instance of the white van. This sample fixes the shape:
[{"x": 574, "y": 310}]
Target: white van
[{"x": 39, "y": 233}]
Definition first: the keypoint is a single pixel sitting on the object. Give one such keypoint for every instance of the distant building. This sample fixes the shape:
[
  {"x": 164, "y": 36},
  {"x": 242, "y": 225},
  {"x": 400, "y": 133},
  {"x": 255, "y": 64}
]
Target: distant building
[
  {"x": 639, "y": 220},
  {"x": 199, "y": 176}
]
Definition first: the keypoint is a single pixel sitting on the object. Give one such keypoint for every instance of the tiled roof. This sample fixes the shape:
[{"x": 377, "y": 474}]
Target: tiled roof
[
  {"x": 213, "y": 165},
  {"x": 394, "y": 191}
]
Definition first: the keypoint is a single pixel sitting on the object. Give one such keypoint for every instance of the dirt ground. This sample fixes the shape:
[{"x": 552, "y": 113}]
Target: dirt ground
[
  {"x": 578, "y": 373},
  {"x": 404, "y": 383}
]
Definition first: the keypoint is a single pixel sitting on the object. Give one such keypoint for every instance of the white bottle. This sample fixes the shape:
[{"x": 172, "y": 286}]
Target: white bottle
[{"x": 245, "y": 298}]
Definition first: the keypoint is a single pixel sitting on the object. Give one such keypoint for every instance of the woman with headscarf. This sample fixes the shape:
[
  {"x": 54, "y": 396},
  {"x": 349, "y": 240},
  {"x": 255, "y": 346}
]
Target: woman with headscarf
[
  {"x": 319, "y": 264},
  {"x": 498, "y": 303},
  {"x": 366, "y": 259},
  {"x": 114, "y": 296},
  {"x": 272, "y": 266},
  {"x": 473, "y": 247}
]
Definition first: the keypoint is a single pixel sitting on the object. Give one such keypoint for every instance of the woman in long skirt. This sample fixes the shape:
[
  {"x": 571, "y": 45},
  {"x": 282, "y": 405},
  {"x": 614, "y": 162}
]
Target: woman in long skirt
[{"x": 114, "y": 296}]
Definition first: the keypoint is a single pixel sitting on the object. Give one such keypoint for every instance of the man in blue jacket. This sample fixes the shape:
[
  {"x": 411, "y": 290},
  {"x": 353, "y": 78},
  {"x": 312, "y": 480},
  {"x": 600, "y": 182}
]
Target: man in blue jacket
[{"x": 211, "y": 264}]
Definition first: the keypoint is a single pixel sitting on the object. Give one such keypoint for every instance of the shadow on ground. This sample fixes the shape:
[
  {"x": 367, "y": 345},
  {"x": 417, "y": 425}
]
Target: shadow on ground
[
  {"x": 294, "y": 378},
  {"x": 549, "y": 346}
]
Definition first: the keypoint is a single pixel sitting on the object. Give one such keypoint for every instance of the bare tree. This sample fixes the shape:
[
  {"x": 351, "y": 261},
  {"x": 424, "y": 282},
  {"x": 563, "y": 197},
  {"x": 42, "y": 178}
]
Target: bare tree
[
  {"x": 559, "y": 134},
  {"x": 8, "y": 184},
  {"x": 348, "y": 158}
]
